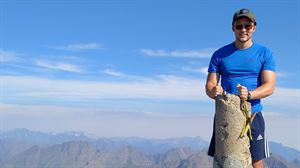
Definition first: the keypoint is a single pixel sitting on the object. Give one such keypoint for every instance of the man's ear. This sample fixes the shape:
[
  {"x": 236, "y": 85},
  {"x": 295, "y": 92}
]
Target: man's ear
[
  {"x": 232, "y": 28},
  {"x": 254, "y": 29}
]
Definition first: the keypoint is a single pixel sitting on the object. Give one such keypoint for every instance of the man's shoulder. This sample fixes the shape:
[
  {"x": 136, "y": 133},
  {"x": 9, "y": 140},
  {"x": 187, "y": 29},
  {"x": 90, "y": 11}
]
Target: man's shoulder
[
  {"x": 261, "y": 47},
  {"x": 229, "y": 46},
  {"x": 225, "y": 49}
]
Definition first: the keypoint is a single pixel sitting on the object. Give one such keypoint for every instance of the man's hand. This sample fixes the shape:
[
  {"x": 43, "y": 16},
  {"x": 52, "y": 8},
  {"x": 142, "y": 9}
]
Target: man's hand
[
  {"x": 213, "y": 89},
  {"x": 243, "y": 91},
  {"x": 217, "y": 90}
]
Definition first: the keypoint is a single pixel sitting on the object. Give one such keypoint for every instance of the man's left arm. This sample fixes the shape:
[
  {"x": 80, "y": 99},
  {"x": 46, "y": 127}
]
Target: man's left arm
[{"x": 268, "y": 85}]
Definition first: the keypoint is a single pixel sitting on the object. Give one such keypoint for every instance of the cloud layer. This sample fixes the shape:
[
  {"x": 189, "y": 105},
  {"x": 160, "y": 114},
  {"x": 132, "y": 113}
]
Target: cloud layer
[
  {"x": 80, "y": 47},
  {"x": 165, "y": 87},
  {"x": 6, "y": 56},
  {"x": 204, "y": 53},
  {"x": 58, "y": 66}
]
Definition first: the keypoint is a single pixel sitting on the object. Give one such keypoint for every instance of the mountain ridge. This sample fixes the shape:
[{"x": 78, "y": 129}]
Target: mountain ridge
[{"x": 25, "y": 148}]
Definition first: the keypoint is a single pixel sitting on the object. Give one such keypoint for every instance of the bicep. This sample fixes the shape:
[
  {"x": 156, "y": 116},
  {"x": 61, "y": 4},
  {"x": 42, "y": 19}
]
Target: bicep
[
  {"x": 213, "y": 78},
  {"x": 268, "y": 76}
]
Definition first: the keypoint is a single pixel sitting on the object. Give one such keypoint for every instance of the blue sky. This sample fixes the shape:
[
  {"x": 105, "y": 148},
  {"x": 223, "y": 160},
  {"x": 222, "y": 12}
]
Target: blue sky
[{"x": 134, "y": 68}]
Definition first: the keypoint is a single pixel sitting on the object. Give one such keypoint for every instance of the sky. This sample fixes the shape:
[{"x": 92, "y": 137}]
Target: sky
[{"x": 135, "y": 68}]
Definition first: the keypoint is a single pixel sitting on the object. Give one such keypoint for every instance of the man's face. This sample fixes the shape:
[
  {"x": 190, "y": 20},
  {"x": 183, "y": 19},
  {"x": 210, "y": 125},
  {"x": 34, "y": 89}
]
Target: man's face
[{"x": 243, "y": 29}]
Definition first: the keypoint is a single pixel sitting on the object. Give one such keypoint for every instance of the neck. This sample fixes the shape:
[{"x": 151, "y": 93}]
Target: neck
[{"x": 243, "y": 45}]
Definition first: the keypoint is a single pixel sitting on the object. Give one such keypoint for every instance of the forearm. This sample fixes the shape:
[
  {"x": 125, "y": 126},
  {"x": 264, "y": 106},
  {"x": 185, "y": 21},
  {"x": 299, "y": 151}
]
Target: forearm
[
  {"x": 262, "y": 91},
  {"x": 209, "y": 90},
  {"x": 212, "y": 89}
]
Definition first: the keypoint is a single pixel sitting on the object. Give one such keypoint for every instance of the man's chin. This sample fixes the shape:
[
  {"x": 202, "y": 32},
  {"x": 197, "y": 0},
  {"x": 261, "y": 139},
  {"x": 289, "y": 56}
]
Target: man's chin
[{"x": 243, "y": 40}]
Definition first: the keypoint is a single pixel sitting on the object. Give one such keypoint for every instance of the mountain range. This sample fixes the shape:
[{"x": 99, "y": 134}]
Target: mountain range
[{"x": 32, "y": 149}]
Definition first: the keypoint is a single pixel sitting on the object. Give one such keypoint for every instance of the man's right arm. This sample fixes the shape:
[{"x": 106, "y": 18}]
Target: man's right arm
[{"x": 212, "y": 87}]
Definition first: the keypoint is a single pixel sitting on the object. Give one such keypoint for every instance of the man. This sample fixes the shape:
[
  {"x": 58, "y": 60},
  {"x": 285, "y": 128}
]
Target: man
[{"x": 246, "y": 69}]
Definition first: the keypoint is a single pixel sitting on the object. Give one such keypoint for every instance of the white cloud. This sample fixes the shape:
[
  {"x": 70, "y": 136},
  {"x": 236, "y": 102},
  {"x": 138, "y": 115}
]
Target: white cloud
[
  {"x": 284, "y": 97},
  {"x": 202, "y": 70},
  {"x": 58, "y": 66},
  {"x": 283, "y": 74},
  {"x": 166, "y": 87},
  {"x": 125, "y": 76},
  {"x": 6, "y": 56},
  {"x": 113, "y": 73},
  {"x": 80, "y": 47},
  {"x": 203, "y": 53}
]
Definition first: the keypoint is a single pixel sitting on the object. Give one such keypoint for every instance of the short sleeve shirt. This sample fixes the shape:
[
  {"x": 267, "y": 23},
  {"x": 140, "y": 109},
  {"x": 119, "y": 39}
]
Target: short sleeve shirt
[{"x": 242, "y": 66}]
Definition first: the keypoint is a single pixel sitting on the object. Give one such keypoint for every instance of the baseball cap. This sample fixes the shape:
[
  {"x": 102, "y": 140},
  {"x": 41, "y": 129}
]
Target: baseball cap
[{"x": 244, "y": 13}]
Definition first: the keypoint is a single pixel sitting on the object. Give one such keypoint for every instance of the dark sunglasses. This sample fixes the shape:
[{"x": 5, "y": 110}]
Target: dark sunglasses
[{"x": 240, "y": 26}]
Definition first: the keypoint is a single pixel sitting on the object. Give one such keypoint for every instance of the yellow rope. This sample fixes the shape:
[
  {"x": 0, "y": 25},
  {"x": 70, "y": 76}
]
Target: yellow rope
[{"x": 247, "y": 119}]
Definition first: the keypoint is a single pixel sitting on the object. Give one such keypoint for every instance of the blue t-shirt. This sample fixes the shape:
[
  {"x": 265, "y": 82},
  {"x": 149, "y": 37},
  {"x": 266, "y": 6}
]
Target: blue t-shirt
[{"x": 242, "y": 66}]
